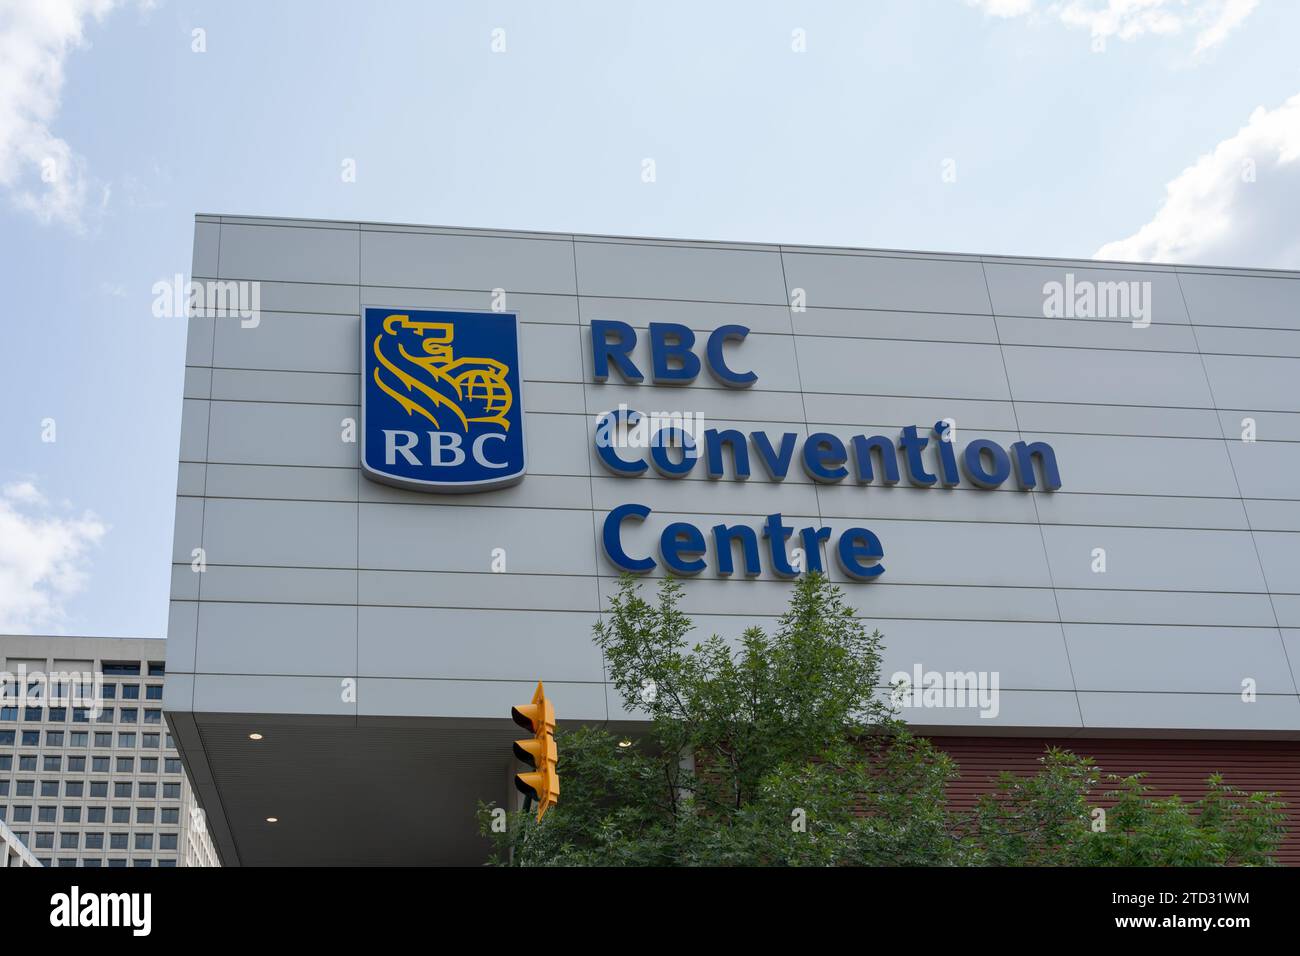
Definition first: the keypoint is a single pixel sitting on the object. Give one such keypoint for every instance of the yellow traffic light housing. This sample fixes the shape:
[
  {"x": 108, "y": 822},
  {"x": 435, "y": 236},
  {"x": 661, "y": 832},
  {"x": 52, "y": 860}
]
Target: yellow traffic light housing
[{"x": 539, "y": 752}]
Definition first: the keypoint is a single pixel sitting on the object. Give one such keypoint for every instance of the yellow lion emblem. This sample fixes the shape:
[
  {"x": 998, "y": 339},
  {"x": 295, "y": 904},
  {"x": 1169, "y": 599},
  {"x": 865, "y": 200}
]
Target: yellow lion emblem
[{"x": 434, "y": 382}]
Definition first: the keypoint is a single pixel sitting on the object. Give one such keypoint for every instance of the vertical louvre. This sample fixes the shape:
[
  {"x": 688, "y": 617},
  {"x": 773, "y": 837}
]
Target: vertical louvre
[{"x": 1171, "y": 766}]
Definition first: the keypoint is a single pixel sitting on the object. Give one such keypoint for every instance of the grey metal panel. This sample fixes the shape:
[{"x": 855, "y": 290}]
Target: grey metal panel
[
  {"x": 885, "y": 282},
  {"x": 551, "y": 353},
  {"x": 717, "y": 404},
  {"x": 1291, "y": 641},
  {"x": 1223, "y": 713},
  {"x": 649, "y": 271},
  {"x": 1188, "y": 608},
  {"x": 1254, "y": 382},
  {"x": 529, "y": 307},
  {"x": 188, "y": 529},
  {"x": 1095, "y": 334},
  {"x": 190, "y": 477},
  {"x": 265, "y": 694},
  {"x": 1267, "y": 469},
  {"x": 1279, "y": 552},
  {"x": 703, "y": 497},
  {"x": 1248, "y": 341},
  {"x": 182, "y": 635},
  {"x": 269, "y": 433},
  {"x": 296, "y": 341},
  {"x": 1143, "y": 466},
  {"x": 267, "y": 585},
  {"x": 466, "y": 262},
  {"x": 255, "y": 385},
  {"x": 279, "y": 481},
  {"x": 1258, "y": 301},
  {"x": 890, "y": 367},
  {"x": 1061, "y": 418},
  {"x": 484, "y": 589},
  {"x": 316, "y": 298},
  {"x": 1141, "y": 511},
  {"x": 207, "y": 239},
  {"x": 1160, "y": 659},
  {"x": 1018, "y": 289},
  {"x": 872, "y": 503},
  {"x": 461, "y": 538},
  {"x": 198, "y": 341},
  {"x": 194, "y": 430},
  {"x": 467, "y": 643},
  {"x": 878, "y": 324},
  {"x": 1025, "y": 656},
  {"x": 299, "y": 534},
  {"x": 398, "y": 697},
  {"x": 983, "y": 416},
  {"x": 289, "y": 254},
  {"x": 539, "y": 491},
  {"x": 1050, "y": 711},
  {"x": 1274, "y": 515},
  {"x": 1154, "y": 559},
  {"x": 1107, "y": 377},
  {"x": 185, "y": 582},
  {"x": 1269, "y": 426},
  {"x": 276, "y": 638},
  {"x": 178, "y": 695},
  {"x": 1288, "y": 616},
  {"x": 198, "y": 383}
]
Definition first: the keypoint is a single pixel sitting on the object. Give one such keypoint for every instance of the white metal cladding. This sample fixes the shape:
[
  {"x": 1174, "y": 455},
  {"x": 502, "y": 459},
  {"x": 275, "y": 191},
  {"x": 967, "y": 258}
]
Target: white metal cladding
[{"x": 315, "y": 575}]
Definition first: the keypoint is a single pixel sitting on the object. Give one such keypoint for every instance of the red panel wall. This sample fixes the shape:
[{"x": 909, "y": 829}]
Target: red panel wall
[{"x": 1172, "y": 767}]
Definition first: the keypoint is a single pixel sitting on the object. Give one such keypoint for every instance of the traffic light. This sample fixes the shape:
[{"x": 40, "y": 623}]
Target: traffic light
[{"x": 539, "y": 752}]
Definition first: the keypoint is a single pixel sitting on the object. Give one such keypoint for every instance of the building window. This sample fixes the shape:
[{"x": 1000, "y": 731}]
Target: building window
[
  {"x": 125, "y": 764},
  {"x": 171, "y": 815},
  {"x": 118, "y": 841},
  {"x": 79, "y": 738},
  {"x": 34, "y": 714},
  {"x": 99, "y": 788},
  {"x": 122, "y": 790},
  {"x": 144, "y": 815},
  {"x": 45, "y": 840},
  {"x": 69, "y": 841},
  {"x": 148, "y": 764},
  {"x": 167, "y": 841},
  {"x": 94, "y": 841},
  {"x": 157, "y": 669},
  {"x": 121, "y": 669},
  {"x": 150, "y": 742},
  {"x": 128, "y": 715},
  {"x": 171, "y": 791},
  {"x": 121, "y": 814},
  {"x": 76, "y": 764},
  {"x": 99, "y": 764},
  {"x": 58, "y": 713},
  {"x": 54, "y": 764},
  {"x": 8, "y": 713},
  {"x": 105, "y": 716},
  {"x": 90, "y": 863},
  {"x": 6, "y": 762},
  {"x": 144, "y": 841},
  {"x": 31, "y": 738},
  {"x": 4, "y": 788},
  {"x": 94, "y": 814},
  {"x": 81, "y": 715},
  {"x": 6, "y": 738},
  {"x": 130, "y": 691},
  {"x": 126, "y": 740},
  {"x": 47, "y": 814},
  {"x": 27, "y": 762},
  {"x": 72, "y": 814},
  {"x": 103, "y": 739},
  {"x": 49, "y": 788},
  {"x": 26, "y": 788},
  {"x": 173, "y": 764},
  {"x": 166, "y": 862},
  {"x": 54, "y": 738},
  {"x": 74, "y": 788},
  {"x": 112, "y": 863},
  {"x": 109, "y": 692},
  {"x": 153, "y": 692},
  {"x": 152, "y": 716},
  {"x": 67, "y": 861},
  {"x": 148, "y": 790},
  {"x": 22, "y": 814}
]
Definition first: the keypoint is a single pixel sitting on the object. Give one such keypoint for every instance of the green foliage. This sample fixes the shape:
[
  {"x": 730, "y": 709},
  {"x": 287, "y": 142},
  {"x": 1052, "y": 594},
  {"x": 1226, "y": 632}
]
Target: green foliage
[{"x": 782, "y": 751}]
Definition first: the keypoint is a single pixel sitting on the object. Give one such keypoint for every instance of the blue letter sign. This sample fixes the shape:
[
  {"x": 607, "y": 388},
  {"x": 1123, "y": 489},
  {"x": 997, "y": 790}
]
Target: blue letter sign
[{"x": 440, "y": 399}]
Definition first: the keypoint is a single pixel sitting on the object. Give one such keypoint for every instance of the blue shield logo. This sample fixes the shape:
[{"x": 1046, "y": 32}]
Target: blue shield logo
[{"x": 440, "y": 399}]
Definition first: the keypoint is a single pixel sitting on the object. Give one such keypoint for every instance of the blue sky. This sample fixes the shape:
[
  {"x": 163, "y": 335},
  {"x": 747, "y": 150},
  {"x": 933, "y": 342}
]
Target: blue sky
[{"x": 1074, "y": 126}]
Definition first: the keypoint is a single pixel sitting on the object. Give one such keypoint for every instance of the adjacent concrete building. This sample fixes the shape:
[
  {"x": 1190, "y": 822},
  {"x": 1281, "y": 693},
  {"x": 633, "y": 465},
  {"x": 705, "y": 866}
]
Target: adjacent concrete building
[
  {"x": 89, "y": 773},
  {"x": 342, "y": 649}
]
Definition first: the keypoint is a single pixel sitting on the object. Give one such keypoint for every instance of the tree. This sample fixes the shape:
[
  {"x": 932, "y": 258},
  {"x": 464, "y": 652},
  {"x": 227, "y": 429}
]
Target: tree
[{"x": 783, "y": 750}]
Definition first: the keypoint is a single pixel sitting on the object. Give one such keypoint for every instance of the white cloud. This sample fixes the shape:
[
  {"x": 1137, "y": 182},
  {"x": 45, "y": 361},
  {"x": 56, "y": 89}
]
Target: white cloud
[
  {"x": 1236, "y": 205},
  {"x": 42, "y": 558},
  {"x": 41, "y": 172},
  {"x": 1130, "y": 19}
]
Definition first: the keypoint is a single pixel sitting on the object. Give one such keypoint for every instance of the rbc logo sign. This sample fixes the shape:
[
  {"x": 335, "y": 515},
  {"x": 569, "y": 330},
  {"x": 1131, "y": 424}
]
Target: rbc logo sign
[{"x": 440, "y": 399}]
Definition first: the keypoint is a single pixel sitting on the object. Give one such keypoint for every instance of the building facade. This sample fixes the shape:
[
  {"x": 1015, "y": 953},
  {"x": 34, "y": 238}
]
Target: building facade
[
  {"x": 1063, "y": 490},
  {"x": 89, "y": 773},
  {"x": 13, "y": 852}
]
